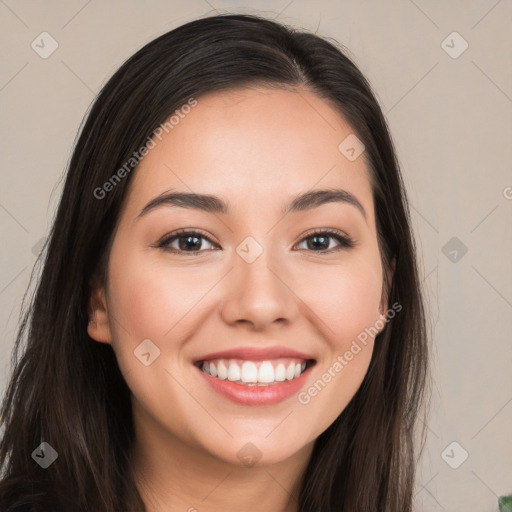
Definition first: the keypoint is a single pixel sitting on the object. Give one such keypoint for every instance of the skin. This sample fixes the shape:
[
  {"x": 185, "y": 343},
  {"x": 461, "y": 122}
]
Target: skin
[{"x": 257, "y": 149}]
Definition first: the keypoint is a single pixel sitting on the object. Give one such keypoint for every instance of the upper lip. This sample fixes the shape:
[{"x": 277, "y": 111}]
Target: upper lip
[{"x": 255, "y": 354}]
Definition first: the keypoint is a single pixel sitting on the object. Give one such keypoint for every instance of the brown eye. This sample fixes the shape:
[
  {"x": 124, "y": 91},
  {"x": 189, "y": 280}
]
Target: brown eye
[
  {"x": 185, "y": 242},
  {"x": 321, "y": 241}
]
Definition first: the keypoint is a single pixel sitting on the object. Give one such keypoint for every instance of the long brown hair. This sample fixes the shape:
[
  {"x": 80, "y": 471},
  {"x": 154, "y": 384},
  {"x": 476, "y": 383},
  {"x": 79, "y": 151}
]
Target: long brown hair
[{"x": 68, "y": 391}]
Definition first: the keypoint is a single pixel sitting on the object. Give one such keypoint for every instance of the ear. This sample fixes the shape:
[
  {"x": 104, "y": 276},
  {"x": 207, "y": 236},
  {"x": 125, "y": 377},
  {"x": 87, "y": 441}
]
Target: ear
[{"x": 99, "y": 326}]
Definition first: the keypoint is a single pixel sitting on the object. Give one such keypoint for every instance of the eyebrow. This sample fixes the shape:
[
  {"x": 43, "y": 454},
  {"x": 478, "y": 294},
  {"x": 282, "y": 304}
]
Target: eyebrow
[{"x": 213, "y": 204}]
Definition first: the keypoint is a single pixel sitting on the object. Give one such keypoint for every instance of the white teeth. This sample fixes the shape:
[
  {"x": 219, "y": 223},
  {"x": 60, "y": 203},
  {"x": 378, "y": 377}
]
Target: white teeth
[
  {"x": 266, "y": 373},
  {"x": 234, "y": 372},
  {"x": 254, "y": 372},
  {"x": 222, "y": 371},
  {"x": 249, "y": 372},
  {"x": 280, "y": 372}
]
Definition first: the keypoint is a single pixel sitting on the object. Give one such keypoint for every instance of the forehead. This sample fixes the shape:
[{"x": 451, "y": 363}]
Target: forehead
[{"x": 256, "y": 144}]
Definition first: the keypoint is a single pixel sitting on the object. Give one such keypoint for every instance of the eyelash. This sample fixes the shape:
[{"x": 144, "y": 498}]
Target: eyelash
[{"x": 345, "y": 242}]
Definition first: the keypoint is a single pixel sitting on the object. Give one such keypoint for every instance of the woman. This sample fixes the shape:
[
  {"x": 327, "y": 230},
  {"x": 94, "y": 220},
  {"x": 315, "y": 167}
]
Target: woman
[{"x": 229, "y": 314}]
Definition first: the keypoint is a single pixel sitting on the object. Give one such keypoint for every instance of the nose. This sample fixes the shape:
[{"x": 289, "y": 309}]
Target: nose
[{"x": 260, "y": 294}]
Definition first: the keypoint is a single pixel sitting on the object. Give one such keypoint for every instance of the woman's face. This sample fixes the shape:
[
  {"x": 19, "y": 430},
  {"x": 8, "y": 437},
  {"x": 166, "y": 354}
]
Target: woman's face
[{"x": 252, "y": 279}]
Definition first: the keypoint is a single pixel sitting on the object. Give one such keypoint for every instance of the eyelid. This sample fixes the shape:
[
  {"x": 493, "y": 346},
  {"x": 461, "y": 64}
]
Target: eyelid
[
  {"x": 345, "y": 241},
  {"x": 331, "y": 231},
  {"x": 167, "y": 238},
  {"x": 187, "y": 231}
]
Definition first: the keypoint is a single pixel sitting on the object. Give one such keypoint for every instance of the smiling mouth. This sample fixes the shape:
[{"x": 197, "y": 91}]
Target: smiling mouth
[{"x": 256, "y": 373}]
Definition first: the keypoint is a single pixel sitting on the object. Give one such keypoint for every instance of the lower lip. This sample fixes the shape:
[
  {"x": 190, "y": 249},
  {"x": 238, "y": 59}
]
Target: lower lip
[{"x": 256, "y": 395}]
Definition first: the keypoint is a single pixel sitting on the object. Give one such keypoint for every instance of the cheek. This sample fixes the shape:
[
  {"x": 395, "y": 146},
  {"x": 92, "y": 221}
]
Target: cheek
[
  {"x": 346, "y": 299},
  {"x": 347, "y": 305},
  {"x": 150, "y": 297},
  {"x": 153, "y": 300}
]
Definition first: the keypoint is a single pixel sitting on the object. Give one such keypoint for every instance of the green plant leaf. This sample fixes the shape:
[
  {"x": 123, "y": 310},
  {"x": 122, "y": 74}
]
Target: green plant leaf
[{"x": 505, "y": 503}]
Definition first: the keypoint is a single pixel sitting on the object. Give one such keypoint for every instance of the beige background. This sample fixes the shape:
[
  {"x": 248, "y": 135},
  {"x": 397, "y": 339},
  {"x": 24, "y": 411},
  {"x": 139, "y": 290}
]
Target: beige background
[{"x": 451, "y": 122}]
